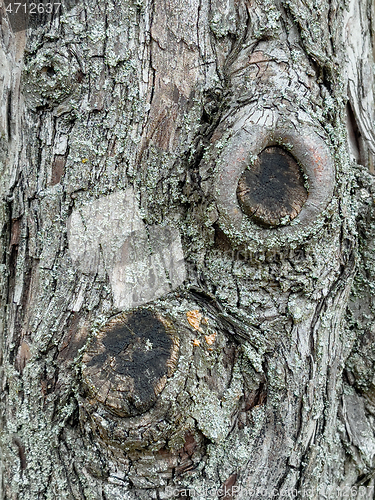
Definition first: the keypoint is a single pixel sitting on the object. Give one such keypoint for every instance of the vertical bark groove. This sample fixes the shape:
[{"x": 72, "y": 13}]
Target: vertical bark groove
[{"x": 124, "y": 130}]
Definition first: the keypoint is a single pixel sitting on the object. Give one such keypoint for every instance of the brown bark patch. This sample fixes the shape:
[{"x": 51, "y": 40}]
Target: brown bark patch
[
  {"x": 74, "y": 338},
  {"x": 58, "y": 169},
  {"x": 256, "y": 398},
  {"x": 190, "y": 454},
  {"x": 23, "y": 356},
  {"x": 227, "y": 491},
  {"x": 15, "y": 232}
]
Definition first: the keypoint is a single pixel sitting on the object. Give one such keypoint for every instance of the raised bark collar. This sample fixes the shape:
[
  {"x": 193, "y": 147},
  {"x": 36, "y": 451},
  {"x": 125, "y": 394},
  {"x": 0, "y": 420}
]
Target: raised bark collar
[{"x": 291, "y": 208}]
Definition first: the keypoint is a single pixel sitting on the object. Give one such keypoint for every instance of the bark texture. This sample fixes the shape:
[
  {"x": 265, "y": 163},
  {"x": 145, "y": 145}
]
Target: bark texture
[{"x": 156, "y": 340}]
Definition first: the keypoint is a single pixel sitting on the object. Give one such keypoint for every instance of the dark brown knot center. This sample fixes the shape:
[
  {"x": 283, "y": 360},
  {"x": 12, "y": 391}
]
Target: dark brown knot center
[
  {"x": 126, "y": 366},
  {"x": 272, "y": 190}
]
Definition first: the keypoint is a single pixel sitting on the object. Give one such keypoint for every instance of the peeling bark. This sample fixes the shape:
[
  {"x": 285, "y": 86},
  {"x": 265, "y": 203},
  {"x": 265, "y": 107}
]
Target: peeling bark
[{"x": 247, "y": 364}]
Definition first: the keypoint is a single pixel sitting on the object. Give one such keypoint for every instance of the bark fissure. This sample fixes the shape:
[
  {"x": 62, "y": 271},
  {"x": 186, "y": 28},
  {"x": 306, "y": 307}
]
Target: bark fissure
[{"x": 155, "y": 104}]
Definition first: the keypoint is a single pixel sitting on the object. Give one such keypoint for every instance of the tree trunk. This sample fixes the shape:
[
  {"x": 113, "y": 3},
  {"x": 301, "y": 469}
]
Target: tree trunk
[{"x": 187, "y": 237}]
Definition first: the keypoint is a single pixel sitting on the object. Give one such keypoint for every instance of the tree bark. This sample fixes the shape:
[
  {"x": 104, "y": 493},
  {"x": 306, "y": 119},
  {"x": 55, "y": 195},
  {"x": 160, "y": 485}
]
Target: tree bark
[{"x": 187, "y": 250}]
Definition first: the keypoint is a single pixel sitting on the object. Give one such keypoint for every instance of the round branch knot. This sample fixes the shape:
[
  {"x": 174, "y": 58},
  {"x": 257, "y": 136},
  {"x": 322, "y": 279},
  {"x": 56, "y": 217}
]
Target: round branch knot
[{"x": 126, "y": 366}]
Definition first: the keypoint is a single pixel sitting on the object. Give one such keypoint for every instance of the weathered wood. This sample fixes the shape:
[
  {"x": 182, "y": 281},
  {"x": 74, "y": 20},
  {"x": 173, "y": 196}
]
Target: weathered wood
[
  {"x": 127, "y": 364},
  {"x": 125, "y": 128},
  {"x": 272, "y": 190}
]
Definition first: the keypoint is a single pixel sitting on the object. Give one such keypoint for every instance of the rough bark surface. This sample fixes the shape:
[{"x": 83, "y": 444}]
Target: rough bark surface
[{"x": 156, "y": 342}]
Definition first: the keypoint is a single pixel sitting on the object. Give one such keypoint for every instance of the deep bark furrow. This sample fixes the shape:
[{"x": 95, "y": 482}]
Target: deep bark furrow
[{"x": 124, "y": 127}]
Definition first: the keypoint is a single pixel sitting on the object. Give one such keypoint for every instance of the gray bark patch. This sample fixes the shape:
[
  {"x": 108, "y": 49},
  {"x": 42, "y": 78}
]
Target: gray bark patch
[{"x": 143, "y": 263}]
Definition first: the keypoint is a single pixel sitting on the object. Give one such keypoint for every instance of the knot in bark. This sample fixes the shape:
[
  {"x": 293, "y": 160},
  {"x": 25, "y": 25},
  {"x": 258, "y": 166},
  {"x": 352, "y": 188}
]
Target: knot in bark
[{"x": 126, "y": 366}]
